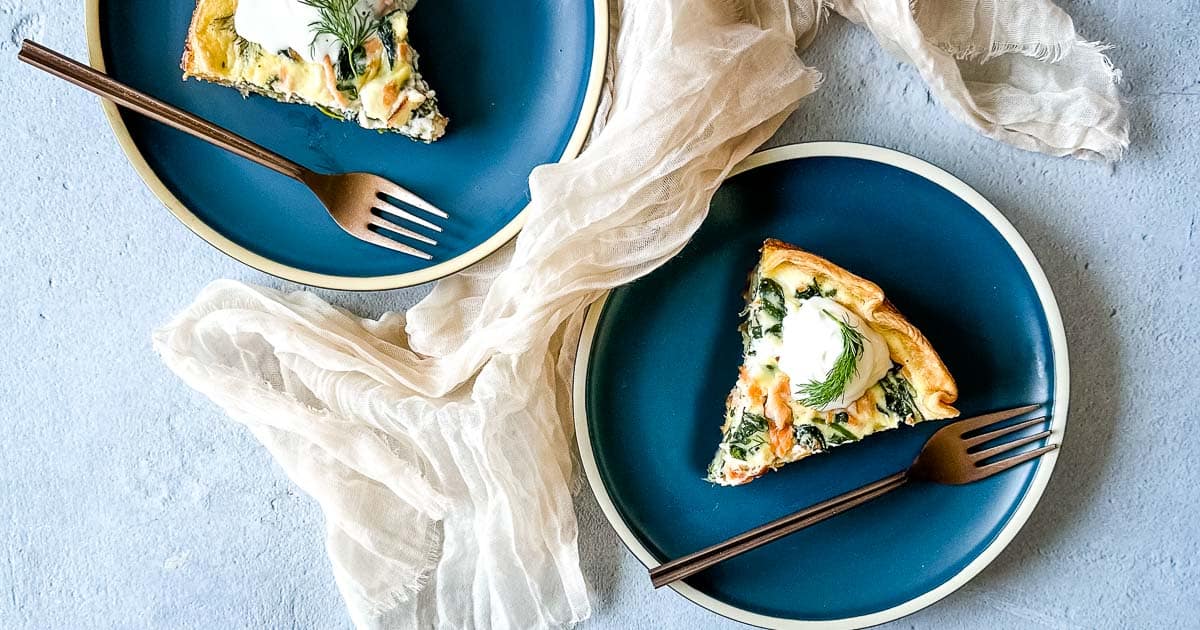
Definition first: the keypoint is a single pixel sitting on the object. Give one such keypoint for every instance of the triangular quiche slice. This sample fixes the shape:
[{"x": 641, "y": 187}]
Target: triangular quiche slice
[
  {"x": 351, "y": 59},
  {"x": 827, "y": 360}
]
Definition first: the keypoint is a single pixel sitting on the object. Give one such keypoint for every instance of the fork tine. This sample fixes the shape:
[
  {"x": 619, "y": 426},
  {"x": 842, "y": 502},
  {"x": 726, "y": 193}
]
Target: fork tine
[
  {"x": 978, "y": 422},
  {"x": 390, "y": 208},
  {"x": 383, "y": 241},
  {"x": 1005, "y": 464},
  {"x": 1007, "y": 446},
  {"x": 388, "y": 188},
  {"x": 991, "y": 435},
  {"x": 381, "y": 222}
]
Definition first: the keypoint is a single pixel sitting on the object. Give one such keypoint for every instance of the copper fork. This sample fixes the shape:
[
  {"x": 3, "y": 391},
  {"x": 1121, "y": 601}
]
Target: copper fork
[
  {"x": 356, "y": 201},
  {"x": 953, "y": 455}
]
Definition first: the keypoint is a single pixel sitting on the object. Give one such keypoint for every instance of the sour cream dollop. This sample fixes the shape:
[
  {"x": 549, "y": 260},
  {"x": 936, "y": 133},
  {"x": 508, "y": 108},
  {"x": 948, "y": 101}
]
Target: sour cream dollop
[
  {"x": 282, "y": 24},
  {"x": 812, "y": 343}
]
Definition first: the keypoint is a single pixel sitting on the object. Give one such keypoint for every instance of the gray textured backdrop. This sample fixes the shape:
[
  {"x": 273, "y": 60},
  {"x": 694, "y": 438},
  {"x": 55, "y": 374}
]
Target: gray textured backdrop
[{"x": 127, "y": 500}]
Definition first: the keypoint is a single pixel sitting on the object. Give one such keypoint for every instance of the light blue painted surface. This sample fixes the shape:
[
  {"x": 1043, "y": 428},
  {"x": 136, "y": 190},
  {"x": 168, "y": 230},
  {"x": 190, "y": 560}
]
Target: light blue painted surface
[{"x": 128, "y": 501}]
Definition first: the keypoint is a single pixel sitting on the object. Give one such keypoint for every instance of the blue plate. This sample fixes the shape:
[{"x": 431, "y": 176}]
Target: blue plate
[
  {"x": 658, "y": 357},
  {"x": 519, "y": 81}
]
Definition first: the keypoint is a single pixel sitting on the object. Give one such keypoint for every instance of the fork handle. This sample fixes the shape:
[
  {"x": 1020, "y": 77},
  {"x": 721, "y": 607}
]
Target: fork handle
[
  {"x": 99, "y": 83},
  {"x": 693, "y": 563}
]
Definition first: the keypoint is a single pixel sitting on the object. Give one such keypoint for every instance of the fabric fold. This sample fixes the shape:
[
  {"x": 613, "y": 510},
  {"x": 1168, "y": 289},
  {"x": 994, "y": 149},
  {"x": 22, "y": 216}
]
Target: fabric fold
[
  {"x": 438, "y": 442},
  {"x": 1016, "y": 71}
]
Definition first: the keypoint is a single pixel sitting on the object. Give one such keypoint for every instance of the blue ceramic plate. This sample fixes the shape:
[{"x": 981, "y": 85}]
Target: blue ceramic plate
[
  {"x": 519, "y": 80},
  {"x": 658, "y": 357}
]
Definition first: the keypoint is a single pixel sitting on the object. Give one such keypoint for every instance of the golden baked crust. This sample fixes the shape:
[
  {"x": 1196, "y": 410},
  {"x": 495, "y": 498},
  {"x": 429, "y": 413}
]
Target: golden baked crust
[
  {"x": 765, "y": 425},
  {"x": 921, "y": 364}
]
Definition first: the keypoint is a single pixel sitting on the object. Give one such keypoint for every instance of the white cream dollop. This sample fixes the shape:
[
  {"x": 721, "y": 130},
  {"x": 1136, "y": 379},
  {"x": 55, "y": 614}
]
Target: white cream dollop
[
  {"x": 812, "y": 343},
  {"x": 282, "y": 24}
]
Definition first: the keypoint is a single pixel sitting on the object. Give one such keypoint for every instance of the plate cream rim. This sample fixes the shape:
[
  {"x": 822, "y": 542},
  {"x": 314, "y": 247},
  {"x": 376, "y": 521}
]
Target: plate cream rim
[
  {"x": 587, "y": 113},
  {"x": 1058, "y": 421}
]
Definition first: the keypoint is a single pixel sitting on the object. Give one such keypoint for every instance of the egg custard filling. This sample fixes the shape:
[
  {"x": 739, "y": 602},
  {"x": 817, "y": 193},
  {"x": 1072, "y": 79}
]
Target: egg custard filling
[
  {"x": 827, "y": 361},
  {"x": 349, "y": 58}
]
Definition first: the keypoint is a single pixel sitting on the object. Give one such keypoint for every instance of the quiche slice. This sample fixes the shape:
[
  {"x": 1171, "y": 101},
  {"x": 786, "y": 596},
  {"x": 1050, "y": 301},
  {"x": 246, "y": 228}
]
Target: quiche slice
[
  {"x": 349, "y": 58},
  {"x": 827, "y": 360}
]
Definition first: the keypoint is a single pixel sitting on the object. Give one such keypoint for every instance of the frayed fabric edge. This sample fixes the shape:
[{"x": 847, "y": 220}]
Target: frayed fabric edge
[
  {"x": 1049, "y": 53},
  {"x": 1055, "y": 54},
  {"x": 405, "y": 593}
]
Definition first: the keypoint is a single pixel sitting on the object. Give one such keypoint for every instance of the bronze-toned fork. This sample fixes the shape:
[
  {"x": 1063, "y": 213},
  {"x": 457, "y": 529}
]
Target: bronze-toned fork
[
  {"x": 951, "y": 456},
  {"x": 354, "y": 200}
]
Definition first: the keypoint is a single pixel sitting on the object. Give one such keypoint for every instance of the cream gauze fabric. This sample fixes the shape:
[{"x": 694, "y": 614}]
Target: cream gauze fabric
[{"x": 438, "y": 443}]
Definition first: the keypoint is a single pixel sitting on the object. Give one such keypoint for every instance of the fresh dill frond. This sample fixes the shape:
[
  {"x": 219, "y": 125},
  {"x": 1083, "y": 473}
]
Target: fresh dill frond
[
  {"x": 816, "y": 394},
  {"x": 343, "y": 21}
]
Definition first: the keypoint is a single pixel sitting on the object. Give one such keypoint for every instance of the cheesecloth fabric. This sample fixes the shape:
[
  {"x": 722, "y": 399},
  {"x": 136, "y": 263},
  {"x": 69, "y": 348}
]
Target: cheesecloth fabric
[{"x": 438, "y": 445}]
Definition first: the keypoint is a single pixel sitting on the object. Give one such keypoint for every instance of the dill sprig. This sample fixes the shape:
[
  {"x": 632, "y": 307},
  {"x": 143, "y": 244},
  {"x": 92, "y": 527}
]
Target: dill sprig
[
  {"x": 342, "y": 20},
  {"x": 816, "y": 394}
]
